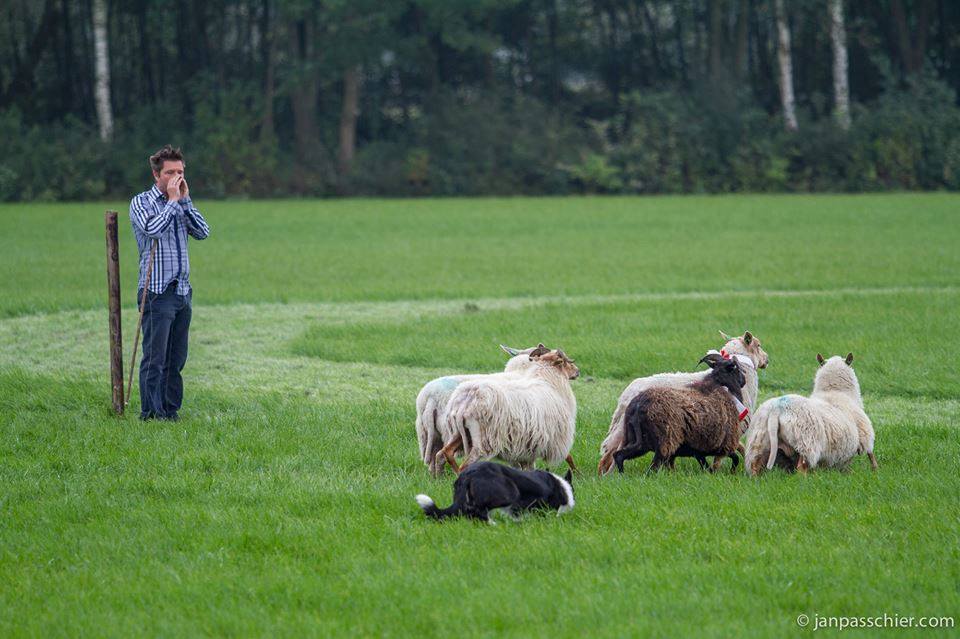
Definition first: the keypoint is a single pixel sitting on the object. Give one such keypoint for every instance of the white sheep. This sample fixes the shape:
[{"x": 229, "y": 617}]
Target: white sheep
[
  {"x": 826, "y": 429},
  {"x": 432, "y": 403},
  {"x": 518, "y": 417},
  {"x": 747, "y": 351}
]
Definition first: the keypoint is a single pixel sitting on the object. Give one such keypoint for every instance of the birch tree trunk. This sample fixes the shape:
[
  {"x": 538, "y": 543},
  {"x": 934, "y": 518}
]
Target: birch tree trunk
[
  {"x": 838, "y": 41},
  {"x": 786, "y": 68},
  {"x": 102, "y": 70}
]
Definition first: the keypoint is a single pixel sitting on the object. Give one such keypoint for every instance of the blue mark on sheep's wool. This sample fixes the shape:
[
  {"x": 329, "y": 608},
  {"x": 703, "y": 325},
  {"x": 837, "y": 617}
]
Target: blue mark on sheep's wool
[
  {"x": 784, "y": 402},
  {"x": 447, "y": 383}
]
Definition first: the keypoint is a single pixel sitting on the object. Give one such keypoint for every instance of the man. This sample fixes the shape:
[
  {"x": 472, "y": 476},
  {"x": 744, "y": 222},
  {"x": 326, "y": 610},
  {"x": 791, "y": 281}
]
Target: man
[{"x": 162, "y": 219}]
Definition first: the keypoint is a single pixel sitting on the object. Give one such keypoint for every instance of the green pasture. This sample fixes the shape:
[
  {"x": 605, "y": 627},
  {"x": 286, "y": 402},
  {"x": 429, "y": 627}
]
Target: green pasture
[{"x": 282, "y": 503}]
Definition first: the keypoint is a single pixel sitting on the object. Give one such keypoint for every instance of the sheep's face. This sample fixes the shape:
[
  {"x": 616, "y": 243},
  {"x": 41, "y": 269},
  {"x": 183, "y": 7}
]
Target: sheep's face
[
  {"x": 747, "y": 344},
  {"x": 728, "y": 373},
  {"x": 560, "y": 360},
  {"x": 836, "y": 374}
]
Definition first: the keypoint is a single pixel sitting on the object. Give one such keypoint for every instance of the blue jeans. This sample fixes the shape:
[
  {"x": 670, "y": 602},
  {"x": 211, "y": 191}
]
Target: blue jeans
[{"x": 166, "y": 326}]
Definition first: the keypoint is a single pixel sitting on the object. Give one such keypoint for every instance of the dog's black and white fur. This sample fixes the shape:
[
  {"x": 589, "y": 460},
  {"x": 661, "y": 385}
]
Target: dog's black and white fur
[{"x": 486, "y": 486}]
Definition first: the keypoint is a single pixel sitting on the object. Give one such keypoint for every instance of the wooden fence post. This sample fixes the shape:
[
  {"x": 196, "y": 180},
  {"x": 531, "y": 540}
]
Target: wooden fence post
[{"x": 113, "y": 294}]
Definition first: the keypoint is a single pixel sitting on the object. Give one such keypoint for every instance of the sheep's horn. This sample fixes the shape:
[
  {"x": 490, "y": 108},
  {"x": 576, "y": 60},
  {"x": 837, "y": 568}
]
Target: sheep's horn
[
  {"x": 711, "y": 359},
  {"x": 512, "y": 352},
  {"x": 725, "y": 336}
]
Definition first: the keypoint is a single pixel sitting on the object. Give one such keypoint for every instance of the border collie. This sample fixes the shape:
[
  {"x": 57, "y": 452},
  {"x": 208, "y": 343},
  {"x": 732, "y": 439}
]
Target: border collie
[{"x": 486, "y": 486}]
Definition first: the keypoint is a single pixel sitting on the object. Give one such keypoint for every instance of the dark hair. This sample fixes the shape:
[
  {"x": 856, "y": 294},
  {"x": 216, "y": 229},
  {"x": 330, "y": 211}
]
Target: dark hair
[{"x": 164, "y": 154}]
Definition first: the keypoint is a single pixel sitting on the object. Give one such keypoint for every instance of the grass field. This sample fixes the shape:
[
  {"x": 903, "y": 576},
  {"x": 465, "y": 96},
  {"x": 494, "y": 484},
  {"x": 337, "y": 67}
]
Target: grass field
[{"x": 282, "y": 503}]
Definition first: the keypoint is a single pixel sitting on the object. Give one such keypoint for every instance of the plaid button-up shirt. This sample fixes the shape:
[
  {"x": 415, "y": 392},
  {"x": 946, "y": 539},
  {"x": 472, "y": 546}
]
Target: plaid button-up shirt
[{"x": 168, "y": 222}]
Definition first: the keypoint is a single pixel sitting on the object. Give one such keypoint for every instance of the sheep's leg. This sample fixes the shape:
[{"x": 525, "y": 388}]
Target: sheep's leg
[
  {"x": 606, "y": 460},
  {"x": 627, "y": 453},
  {"x": 658, "y": 462},
  {"x": 606, "y": 463},
  {"x": 570, "y": 463},
  {"x": 873, "y": 460},
  {"x": 717, "y": 460},
  {"x": 472, "y": 457},
  {"x": 803, "y": 465},
  {"x": 434, "y": 444},
  {"x": 702, "y": 459},
  {"x": 736, "y": 462},
  {"x": 447, "y": 454}
]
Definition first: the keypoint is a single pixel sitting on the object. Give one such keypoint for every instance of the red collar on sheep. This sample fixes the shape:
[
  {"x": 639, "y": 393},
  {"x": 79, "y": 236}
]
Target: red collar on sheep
[{"x": 742, "y": 410}]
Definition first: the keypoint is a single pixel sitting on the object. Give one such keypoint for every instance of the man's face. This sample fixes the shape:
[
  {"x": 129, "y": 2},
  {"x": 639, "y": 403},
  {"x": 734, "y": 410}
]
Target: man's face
[{"x": 171, "y": 168}]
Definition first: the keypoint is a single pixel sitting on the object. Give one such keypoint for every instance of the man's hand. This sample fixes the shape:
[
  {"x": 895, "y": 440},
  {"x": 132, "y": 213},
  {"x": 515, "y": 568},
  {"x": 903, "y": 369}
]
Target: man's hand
[
  {"x": 184, "y": 189},
  {"x": 173, "y": 188}
]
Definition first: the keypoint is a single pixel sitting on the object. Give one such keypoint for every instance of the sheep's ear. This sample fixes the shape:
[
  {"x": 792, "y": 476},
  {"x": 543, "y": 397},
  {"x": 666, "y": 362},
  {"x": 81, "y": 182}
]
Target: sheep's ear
[
  {"x": 820, "y": 359},
  {"x": 747, "y": 337},
  {"x": 512, "y": 352},
  {"x": 849, "y": 359},
  {"x": 539, "y": 350},
  {"x": 569, "y": 477}
]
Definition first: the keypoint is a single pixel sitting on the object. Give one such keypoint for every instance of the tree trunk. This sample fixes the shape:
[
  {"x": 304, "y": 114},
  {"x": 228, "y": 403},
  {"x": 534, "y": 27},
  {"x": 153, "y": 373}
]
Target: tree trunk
[
  {"x": 21, "y": 85},
  {"x": 786, "y": 68},
  {"x": 911, "y": 52},
  {"x": 303, "y": 100},
  {"x": 267, "y": 127},
  {"x": 348, "y": 121},
  {"x": 102, "y": 57},
  {"x": 681, "y": 49},
  {"x": 715, "y": 61},
  {"x": 553, "y": 23},
  {"x": 146, "y": 54},
  {"x": 651, "y": 21},
  {"x": 923, "y": 28},
  {"x": 838, "y": 41},
  {"x": 742, "y": 41}
]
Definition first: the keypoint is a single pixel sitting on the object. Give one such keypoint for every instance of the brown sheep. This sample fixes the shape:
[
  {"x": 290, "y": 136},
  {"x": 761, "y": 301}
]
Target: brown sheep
[{"x": 699, "y": 420}]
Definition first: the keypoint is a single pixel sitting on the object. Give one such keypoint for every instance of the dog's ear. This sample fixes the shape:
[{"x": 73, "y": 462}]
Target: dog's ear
[{"x": 569, "y": 477}]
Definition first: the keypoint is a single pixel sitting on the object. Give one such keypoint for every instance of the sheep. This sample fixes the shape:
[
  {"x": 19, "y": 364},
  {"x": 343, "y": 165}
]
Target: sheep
[
  {"x": 702, "y": 419},
  {"x": 826, "y": 429},
  {"x": 518, "y": 417},
  {"x": 432, "y": 402},
  {"x": 746, "y": 349}
]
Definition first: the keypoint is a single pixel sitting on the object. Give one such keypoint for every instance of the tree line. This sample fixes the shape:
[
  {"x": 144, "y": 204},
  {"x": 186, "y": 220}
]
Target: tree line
[{"x": 424, "y": 97}]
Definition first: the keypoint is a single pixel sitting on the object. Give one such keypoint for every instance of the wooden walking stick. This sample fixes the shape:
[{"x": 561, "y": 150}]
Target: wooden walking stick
[{"x": 143, "y": 298}]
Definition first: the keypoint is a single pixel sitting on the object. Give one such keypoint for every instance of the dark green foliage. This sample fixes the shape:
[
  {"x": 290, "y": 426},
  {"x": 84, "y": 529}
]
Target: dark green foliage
[{"x": 466, "y": 98}]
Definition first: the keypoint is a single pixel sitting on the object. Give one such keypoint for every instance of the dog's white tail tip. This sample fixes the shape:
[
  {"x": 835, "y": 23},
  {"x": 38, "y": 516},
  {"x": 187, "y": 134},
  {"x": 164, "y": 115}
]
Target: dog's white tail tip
[{"x": 424, "y": 501}]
